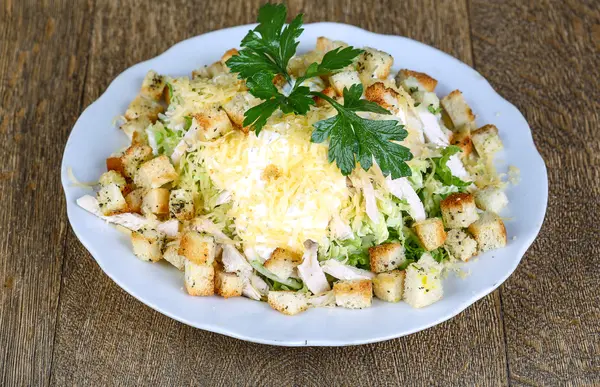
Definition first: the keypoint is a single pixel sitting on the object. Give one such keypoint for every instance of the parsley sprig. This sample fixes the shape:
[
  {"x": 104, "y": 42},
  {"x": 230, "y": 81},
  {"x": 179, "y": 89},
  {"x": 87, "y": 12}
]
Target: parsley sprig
[{"x": 266, "y": 52}]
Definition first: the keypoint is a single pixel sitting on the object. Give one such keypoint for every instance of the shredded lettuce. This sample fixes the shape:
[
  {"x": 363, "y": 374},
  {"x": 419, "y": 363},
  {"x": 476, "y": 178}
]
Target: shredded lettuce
[
  {"x": 289, "y": 283},
  {"x": 162, "y": 139},
  {"x": 443, "y": 173}
]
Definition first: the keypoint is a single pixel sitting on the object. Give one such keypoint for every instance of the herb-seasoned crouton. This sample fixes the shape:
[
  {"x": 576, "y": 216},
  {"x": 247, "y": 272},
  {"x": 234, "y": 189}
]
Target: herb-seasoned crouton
[
  {"x": 287, "y": 302},
  {"x": 143, "y": 106},
  {"x": 353, "y": 294},
  {"x": 343, "y": 80},
  {"x": 489, "y": 232},
  {"x": 111, "y": 200},
  {"x": 486, "y": 140},
  {"x": 112, "y": 177},
  {"x": 389, "y": 286},
  {"x": 491, "y": 199},
  {"x": 459, "y": 210},
  {"x": 197, "y": 248},
  {"x": 155, "y": 173},
  {"x": 237, "y": 106},
  {"x": 228, "y": 284},
  {"x": 386, "y": 257},
  {"x": 147, "y": 244},
  {"x": 153, "y": 85},
  {"x": 324, "y": 44},
  {"x": 458, "y": 110},
  {"x": 461, "y": 137},
  {"x": 415, "y": 81},
  {"x": 431, "y": 233},
  {"x": 328, "y": 91},
  {"x": 460, "y": 245},
  {"x": 133, "y": 156},
  {"x": 156, "y": 201},
  {"x": 134, "y": 200},
  {"x": 383, "y": 96},
  {"x": 199, "y": 278},
  {"x": 212, "y": 123},
  {"x": 115, "y": 164},
  {"x": 282, "y": 262},
  {"x": 423, "y": 282},
  {"x": 171, "y": 255},
  {"x": 135, "y": 129},
  {"x": 227, "y": 55},
  {"x": 181, "y": 204},
  {"x": 374, "y": 65},
  {"x": 211, "y": 71}
]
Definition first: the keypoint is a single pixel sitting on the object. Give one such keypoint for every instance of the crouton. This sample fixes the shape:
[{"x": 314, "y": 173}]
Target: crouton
[
  {"x": 111, "y": 200},
  {"x": 457, "y": 109},
  {"x": 181, "y": 204},
  {"x": 171, "y": 255},
  {"x": 135, "y": 129},
  {"x": 153, "y": 86},
  {"x": 383, "y": 96},
  {"x": 237, "y": 106},
  {"x": 489, "y": 232},
  {"x": 199, "y": 279},
  {"x": 211, "y": 71},
  {"x": 374, "y": 65},
  {"x": 147, "y": 244},
  {"x": 324, "y": 44},
  {"x": 112, "y": 177},
  {"x": 228, "y": 284},
  {"x": 459, "y": 210},
  {"x": 212, "y": 123},
  {"x": 155, "y": 173},
  {"x": 486, "y": 140},
  {"x": 227, "y": 55},
  {"x": 386, "y": 257},
  {"x": 431, "y": 233},
  {"x": 460, "y": 245},
  {"x": 282, "y": 262},
  {"x": 415, "y": 81},
  {"x": 353, "y": 294},
  {"x": 389, "y": 286},
  {"x": 461, "y": 137},
  {"x": 115, "y": 164},
  {"x": 134, "y": 200},
  {"x": 288, "y": 302},
  {"x": 133, "y": 156},
  {"x": 197, "y": 248},
  {"x": 343, "y": 80},
  {"x": 328, "y": 91},
  {"x": 491, "y": 199},
  {"x": 156, "y": 201},
  {"x": 423, "y": 282},
  {"x": 143, "y": 106}
]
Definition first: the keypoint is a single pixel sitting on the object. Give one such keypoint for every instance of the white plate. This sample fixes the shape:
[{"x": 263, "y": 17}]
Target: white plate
[{"x": 160, "y": 286}]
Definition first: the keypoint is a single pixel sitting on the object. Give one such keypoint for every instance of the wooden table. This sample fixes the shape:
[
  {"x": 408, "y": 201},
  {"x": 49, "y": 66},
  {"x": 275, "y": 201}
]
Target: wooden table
[{"x": 63, "y": 322}]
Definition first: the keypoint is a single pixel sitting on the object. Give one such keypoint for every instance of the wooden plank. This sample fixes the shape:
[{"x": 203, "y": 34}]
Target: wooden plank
[
  {"x": 42, "y": 58},
  {"x": 106, "y": 337},
  {"x": 544, "y": 58}
]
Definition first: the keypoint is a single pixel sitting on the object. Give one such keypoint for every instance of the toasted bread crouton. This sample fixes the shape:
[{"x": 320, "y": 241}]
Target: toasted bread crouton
[
  {"x": 143, "y": 106},
  {"x": 374, "y": 65},
  {"x": 389, "y": 286},
  {"x": 156, "y": 201},
  {"x": 386, "y": 257},
  {"x": 486, "y": 140},
  {"x": 423, "y": 282},
  {"x": 111, "y": 200},
  {"x": 415, "y": 81},
  {"x": 457, "y": 109},
  {"x": 227, "y": 55},
  {"x": 461, "y": 137},
  {"x": 153, "y": 86},
  {"x": 459, "y": 210},
  {"x": 197, "y": 248},
  {"x": 134, "y": 200},
  {"x": 385, "y": 97},
  {"x": 133, "y": 157},
  {"x": 489, "y": 232},
  {"x": 114, "y": 163},
  {"x": 211, "y": 71},
  {"x": 328, "y": 91},
  {"x": 491, "y": 199},
  {"x": 147, "y": 245},
  {"x": 353, "y": 294},
  {"x": 282, "y": 262},
  {"x": 155, "y": 173},
  {"x": 199, "y": 279},
  {"x": 181, "y": 204},
  {"x": 112, "y": 177},
  {"x": 324, "y": 44},
  {"x": 237, "y": 106},
  {"x": 431, "y": 233},
  {"x": 212, "y": 123},
  {"x": 343, "y": 80},
  {"x": 171, "y": 254},
  {"x": 288, "y": 302},
  {"x": 135, "y": 129},
  {"x": 460, "y": 245},
  {"x": 228, "y": 284}
]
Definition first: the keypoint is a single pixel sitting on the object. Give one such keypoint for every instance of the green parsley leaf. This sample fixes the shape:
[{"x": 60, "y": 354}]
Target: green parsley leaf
[
  {"x": 333, "y": 60},
  {"x": 353, "y": 138},
  {"x": 434, "y": 110},
  {"x": 443, "y": 173}
]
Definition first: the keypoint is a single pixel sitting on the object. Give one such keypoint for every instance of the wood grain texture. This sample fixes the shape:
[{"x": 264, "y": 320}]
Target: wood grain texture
[{"x": 544, "y": 58}]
